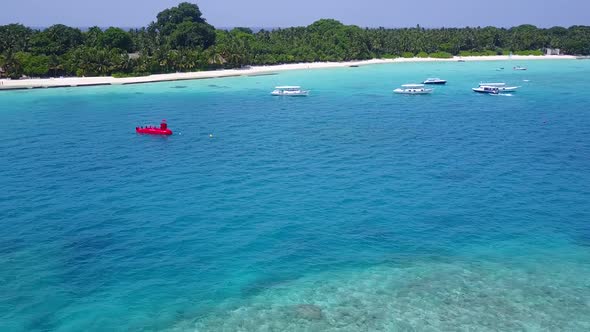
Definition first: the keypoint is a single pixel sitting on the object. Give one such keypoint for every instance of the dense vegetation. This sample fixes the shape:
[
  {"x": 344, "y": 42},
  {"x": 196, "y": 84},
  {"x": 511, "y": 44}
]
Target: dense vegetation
[{"x": 181, "y": 40}]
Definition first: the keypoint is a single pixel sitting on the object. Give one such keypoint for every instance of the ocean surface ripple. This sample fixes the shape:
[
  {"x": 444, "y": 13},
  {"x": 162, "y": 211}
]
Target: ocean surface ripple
[{"x": 351, "y": 210}]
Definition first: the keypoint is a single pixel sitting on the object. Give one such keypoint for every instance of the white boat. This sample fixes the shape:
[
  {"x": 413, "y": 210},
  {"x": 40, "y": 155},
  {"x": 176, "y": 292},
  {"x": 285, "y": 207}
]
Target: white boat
[
  {"x": 487, "y": 89},
  {"x": 290, "y": 90},
  {"x": 435, "y": 81},
  {"x": 413, "y": 89},
  {"x": 519, "y": 68},
  {"x": 501, "y": 86}
]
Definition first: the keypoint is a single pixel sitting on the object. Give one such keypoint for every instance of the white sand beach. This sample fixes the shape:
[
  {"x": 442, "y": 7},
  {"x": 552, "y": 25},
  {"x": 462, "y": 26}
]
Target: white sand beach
[{"x": 250, "y": 71}]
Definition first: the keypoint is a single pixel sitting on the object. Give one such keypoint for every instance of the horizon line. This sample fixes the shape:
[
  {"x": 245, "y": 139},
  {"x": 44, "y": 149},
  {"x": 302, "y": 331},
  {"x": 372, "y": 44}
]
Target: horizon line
[{"x": 270, "y": 28}]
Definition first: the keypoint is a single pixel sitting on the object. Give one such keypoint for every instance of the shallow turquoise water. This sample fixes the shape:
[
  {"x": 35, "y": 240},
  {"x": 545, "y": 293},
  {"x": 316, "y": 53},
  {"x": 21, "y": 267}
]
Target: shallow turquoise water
[{"x": 351, "y": 210}]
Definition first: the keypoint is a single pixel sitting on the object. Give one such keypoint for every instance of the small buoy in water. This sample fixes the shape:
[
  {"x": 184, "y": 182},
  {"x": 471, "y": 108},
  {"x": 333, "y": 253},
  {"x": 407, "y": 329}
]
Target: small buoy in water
[{"x": 210, "y": 135}]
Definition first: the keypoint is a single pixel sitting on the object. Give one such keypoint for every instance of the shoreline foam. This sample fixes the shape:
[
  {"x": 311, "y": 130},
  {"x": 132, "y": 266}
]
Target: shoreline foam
[{"x": 67, "y": 82}]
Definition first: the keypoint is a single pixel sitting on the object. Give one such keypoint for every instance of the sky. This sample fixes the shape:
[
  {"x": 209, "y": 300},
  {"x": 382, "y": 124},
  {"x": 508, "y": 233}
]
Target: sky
[{"x": 284, "y": 13}]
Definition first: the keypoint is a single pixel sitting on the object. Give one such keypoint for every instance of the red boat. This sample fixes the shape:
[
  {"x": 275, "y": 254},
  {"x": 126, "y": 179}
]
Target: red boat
[{"x": 150, "y": 130}]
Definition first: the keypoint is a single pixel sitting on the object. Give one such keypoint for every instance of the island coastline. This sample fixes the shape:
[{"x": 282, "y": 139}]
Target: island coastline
[{"x": 68, "y": 82}]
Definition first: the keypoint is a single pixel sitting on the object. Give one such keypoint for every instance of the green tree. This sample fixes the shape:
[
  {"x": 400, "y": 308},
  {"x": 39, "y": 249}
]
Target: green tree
[
  {"x": 33, "y": 65},
  {"x": 244, "y": 30},
  {"x": 169, "y": 19},
  {"x": 57, "y": 39},
  {"x": 11, "y": 65},
  {"x": 93, "y": 36},
  {"x": 116, "y": 38},
  {"x": 526, "y": 37},
  {"x": 577, "y": 40},
  {"x": 14, "y": 38},
  {"x": 191, "y": 35},
  {"x": 90, "y": 61}
]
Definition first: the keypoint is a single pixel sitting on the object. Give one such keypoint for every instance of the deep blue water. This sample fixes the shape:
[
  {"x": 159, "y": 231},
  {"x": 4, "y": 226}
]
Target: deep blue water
[{"x": 352, "y": 210}]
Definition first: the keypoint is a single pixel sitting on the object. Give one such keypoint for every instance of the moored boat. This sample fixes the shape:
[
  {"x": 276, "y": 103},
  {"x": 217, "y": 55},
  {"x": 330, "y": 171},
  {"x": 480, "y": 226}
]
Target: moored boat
[
  {"x": 152, "y": 130},
  {"x": 437, "y": 81},
  {"x": 290, "y": 90},
  {"x": 519, "y": 68},
  {"x": 413, "y": 89}
]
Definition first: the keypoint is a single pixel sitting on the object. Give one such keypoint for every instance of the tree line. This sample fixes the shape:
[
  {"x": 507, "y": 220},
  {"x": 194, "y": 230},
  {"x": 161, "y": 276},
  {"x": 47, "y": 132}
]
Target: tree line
[{"x": 180, "y": 39}]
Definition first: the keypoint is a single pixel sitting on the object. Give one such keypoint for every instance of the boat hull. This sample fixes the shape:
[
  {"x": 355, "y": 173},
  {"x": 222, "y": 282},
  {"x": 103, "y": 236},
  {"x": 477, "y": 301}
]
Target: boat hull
[
  {"x": 487, "y": 92},
  {"x": 290, "y": 94},
  {"x": 435, "y": 83},
  {"x": 413, "y": 91},
  {"x": 303, "y": 94},
  {"x": 508, "y": 89},
  {"x": 153, "y": 131},
  {"x": 289, "y": 91},
  {"x": 500, "y": 86}
]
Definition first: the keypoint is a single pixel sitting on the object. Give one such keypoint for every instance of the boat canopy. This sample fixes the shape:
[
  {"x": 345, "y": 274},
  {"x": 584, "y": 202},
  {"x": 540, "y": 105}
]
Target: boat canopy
[
  {"x": 285, "y": 87},
  {"x": 413, "y": 86},
  {"x": 492, "y": 84}
]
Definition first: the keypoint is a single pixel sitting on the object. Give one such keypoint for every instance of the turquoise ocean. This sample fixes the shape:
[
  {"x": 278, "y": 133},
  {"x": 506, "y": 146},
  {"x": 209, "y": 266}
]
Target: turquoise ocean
[{"x": 353, "y": 209}]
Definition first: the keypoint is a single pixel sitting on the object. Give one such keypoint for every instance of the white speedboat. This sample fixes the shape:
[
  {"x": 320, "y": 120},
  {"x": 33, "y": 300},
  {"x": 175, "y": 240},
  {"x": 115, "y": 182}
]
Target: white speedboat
[
  {"x": 501, "y": 86},
  {"x": 413, "y": 89},
  {"x": 290, "y": 90},
  {"x": 519, "y": 68},
  {"x": 492, "y": 90},
  {"x": 435, "y": 81}
]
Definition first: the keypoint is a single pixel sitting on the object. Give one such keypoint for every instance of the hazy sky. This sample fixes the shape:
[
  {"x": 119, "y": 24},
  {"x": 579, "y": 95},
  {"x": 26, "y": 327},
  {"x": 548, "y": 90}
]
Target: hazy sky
[{"x": 282, "y": 13}]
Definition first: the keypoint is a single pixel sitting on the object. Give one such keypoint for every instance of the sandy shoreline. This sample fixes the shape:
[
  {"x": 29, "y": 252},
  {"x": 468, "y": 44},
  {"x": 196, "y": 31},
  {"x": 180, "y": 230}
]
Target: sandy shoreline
[{"x": 252, "y": 71}]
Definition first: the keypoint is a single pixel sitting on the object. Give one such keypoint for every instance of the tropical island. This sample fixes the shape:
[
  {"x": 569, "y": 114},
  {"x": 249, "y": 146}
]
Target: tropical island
[{"x": 181, "y": 40}]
